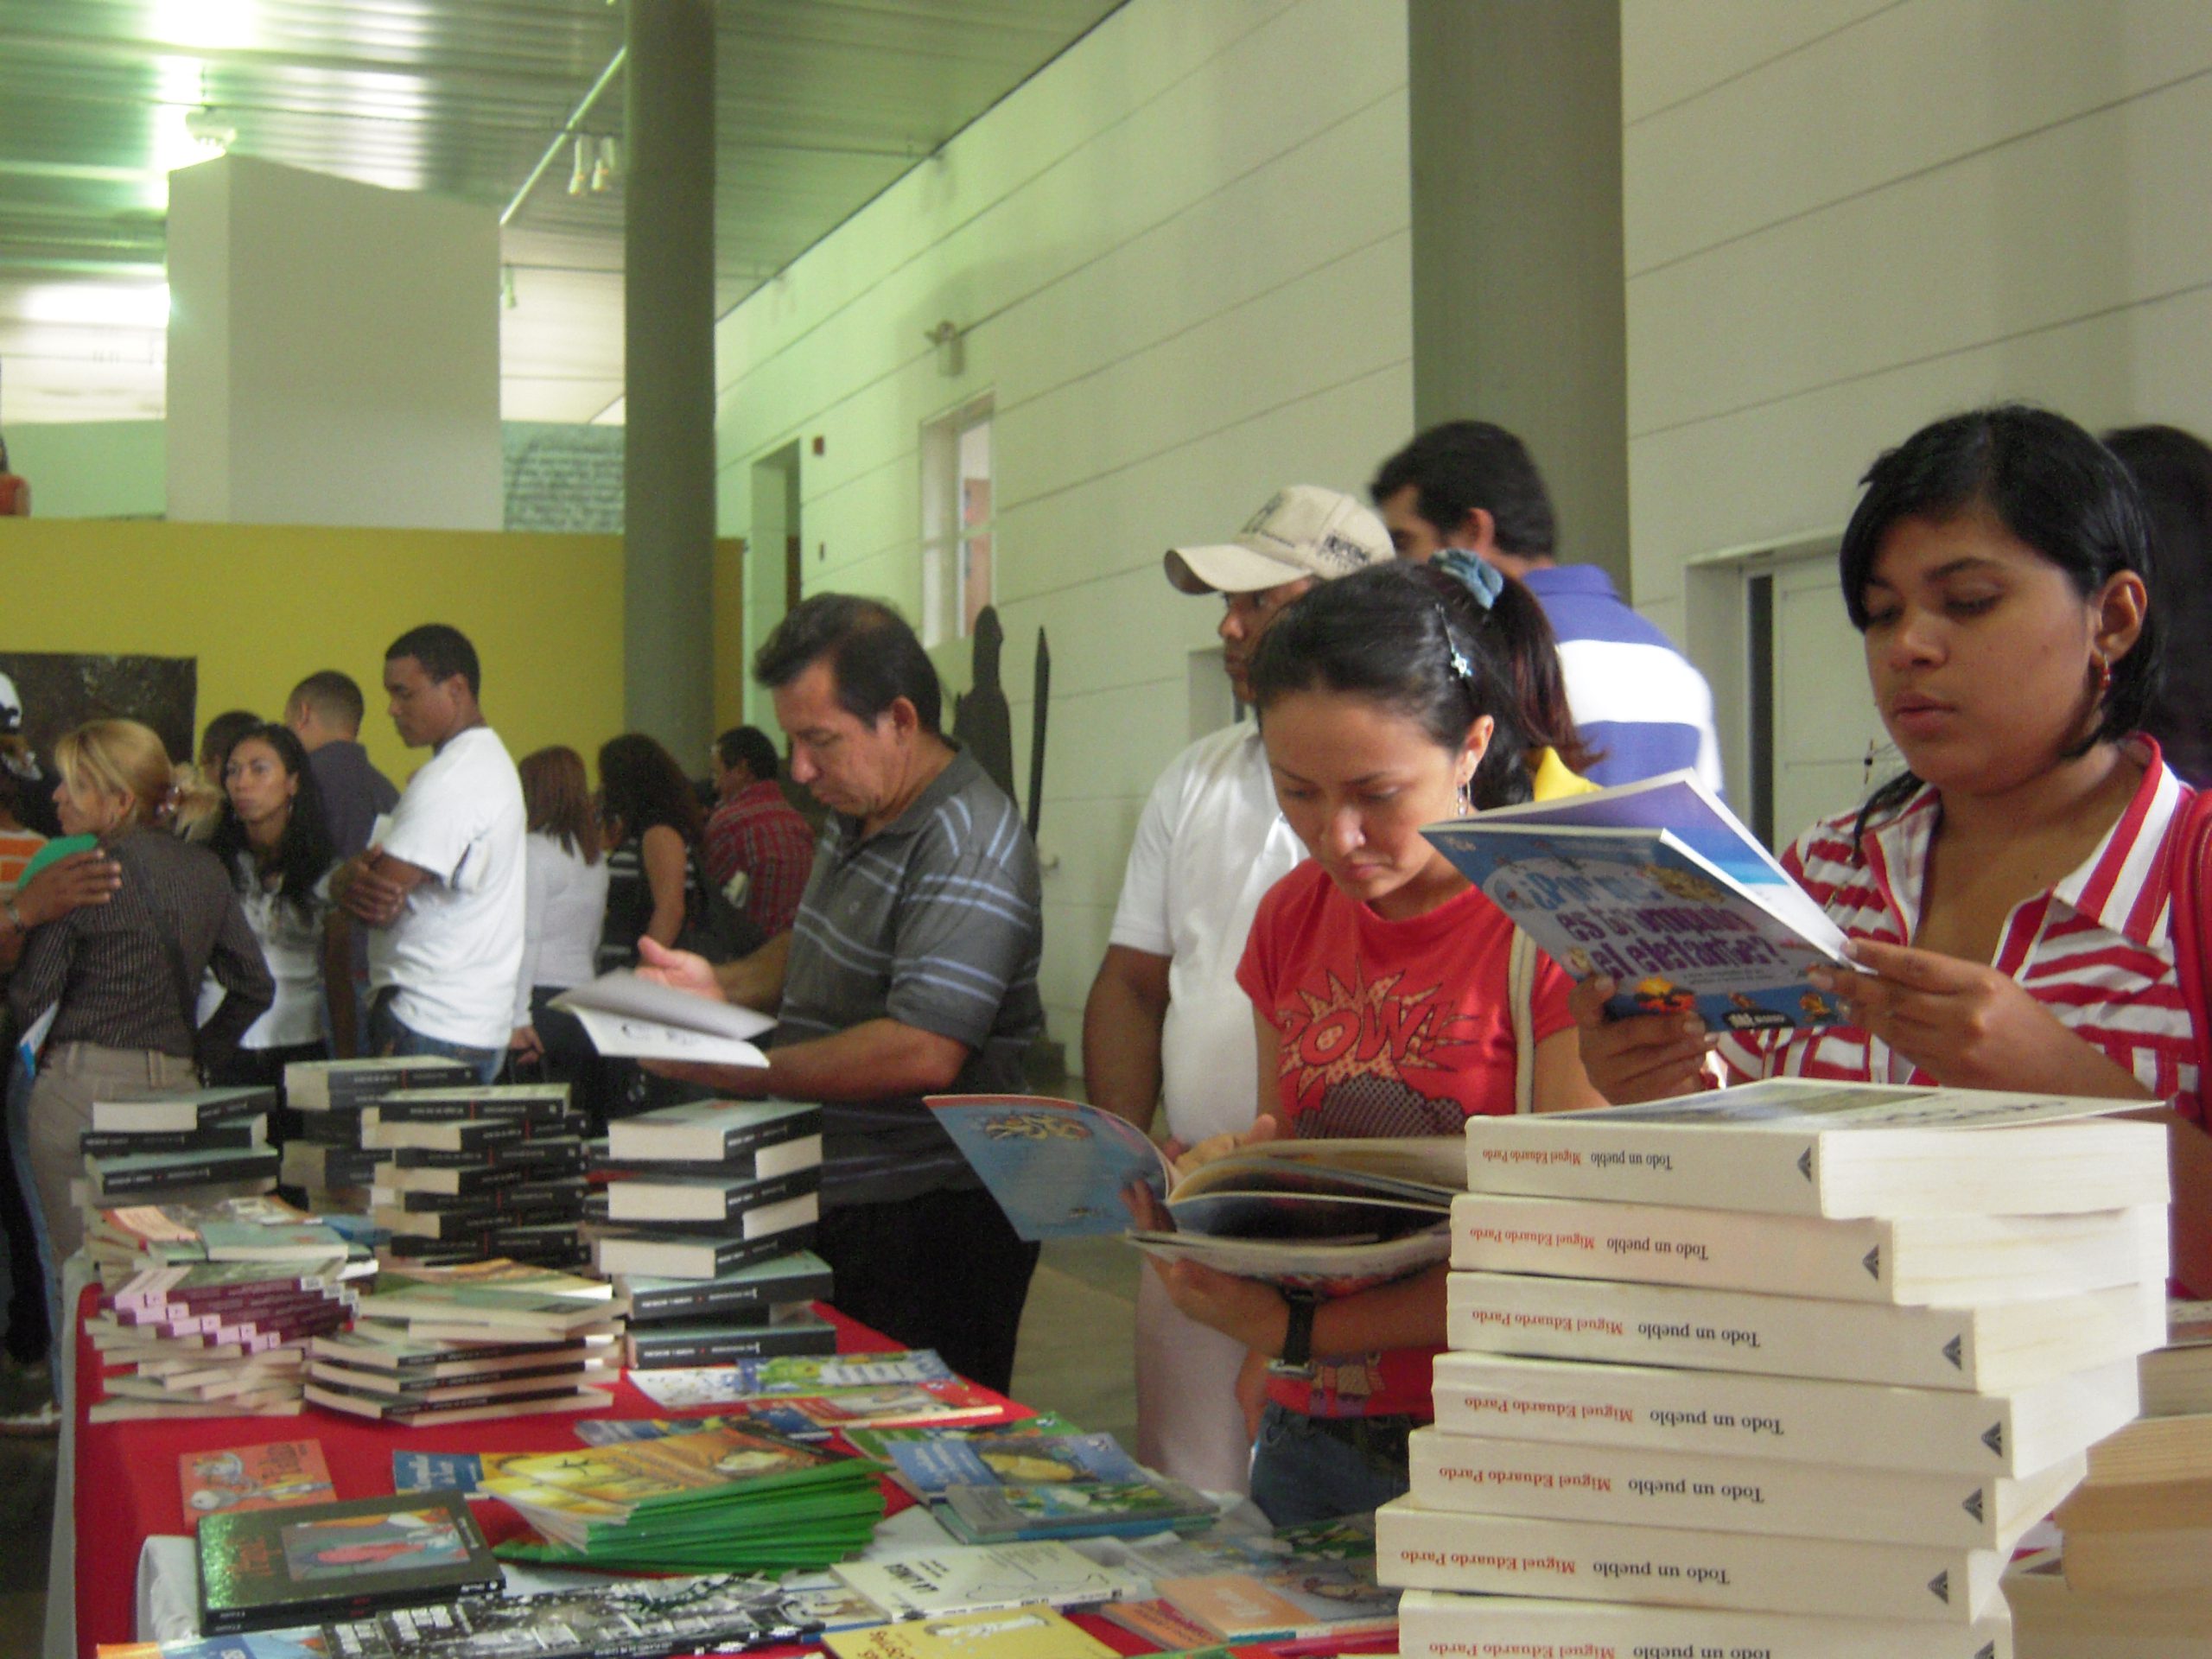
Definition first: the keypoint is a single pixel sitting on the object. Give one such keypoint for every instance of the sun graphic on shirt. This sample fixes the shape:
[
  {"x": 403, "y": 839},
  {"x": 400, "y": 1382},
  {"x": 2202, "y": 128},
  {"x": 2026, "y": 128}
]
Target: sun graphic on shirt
[{"x": 1365, "y": 1029}]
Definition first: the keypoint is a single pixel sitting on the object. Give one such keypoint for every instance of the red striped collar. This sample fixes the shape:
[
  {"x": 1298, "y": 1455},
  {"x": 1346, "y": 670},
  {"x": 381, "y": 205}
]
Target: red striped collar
[{"x": 2123, "y": 885}]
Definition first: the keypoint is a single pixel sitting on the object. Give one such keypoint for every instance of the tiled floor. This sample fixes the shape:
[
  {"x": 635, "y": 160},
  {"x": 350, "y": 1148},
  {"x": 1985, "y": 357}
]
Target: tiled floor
[{"x": 26, "y": 1518}]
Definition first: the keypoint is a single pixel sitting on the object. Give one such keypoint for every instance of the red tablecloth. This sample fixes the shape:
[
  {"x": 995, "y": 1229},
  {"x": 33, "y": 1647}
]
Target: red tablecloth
[{"x": 127, "y": 1485}]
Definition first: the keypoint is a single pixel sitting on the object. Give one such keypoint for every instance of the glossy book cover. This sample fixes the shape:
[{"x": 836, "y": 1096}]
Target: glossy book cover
[{"x": 272, "y": 1567}]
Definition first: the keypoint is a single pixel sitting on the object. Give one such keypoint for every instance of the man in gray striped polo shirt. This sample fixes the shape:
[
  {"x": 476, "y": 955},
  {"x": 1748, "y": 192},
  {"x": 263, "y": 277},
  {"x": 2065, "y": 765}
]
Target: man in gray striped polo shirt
[{"x": 911, "y": 970}]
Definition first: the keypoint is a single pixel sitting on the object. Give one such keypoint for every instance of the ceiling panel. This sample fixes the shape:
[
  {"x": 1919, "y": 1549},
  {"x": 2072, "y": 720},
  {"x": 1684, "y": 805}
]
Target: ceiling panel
[{"x": 821, "y": 104}]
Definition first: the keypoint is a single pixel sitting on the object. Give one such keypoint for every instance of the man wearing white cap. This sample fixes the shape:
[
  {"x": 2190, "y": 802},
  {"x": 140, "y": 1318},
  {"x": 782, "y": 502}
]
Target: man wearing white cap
[{"x": 1166, "y": 1019}]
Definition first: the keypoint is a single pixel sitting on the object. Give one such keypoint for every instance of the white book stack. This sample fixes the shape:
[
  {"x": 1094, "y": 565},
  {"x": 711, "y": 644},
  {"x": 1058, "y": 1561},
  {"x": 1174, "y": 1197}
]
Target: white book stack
[
  {"x": 185, "y": 1146},
  {"x": 705, "y": 1219},
  {"x": 324, "y": 1158},
  {"x": 1788, "y": 1369}
]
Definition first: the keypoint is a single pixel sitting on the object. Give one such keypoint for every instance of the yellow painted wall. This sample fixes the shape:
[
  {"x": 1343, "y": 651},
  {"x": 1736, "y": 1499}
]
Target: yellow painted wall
[{"x": 261, "y": 607}]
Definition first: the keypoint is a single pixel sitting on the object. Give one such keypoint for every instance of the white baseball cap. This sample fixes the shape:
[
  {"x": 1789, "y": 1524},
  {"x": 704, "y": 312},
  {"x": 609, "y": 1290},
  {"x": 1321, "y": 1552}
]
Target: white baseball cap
[{"x": 1304, "y": 530}]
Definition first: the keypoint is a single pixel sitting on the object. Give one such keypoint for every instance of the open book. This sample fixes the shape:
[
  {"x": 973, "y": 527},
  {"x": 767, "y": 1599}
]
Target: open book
[
  {"x": 633, "y": 1018},
  {"x": 1328, "y": 1212},
  {"x": 1656, "y": 884}
]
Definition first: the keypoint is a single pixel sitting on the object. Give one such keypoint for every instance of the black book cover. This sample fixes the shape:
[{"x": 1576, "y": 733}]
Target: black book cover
[
  {"x": 235, "y": 1137},
  {"x": 458, "y": 1106},
  {"x": 736, "y": 1197},
  {"x": 659, "y": 1348},
  {"x": 341, "y": 1127},
  {"x": 263, "y": 1569},
  {"x": 468, "y": 1180},
  {"x": 713, "y": 1298},
  {"x": 729, "y": 1254},
  {"x": 185, "y": 1169},
  {"x": 746, "y": 1133},
  {"x": 555, "y": 1153}
]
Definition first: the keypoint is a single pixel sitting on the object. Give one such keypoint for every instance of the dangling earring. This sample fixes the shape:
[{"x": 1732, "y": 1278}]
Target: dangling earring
[
  {"x": 2104, "y": 678},
  {"x": 1466, "y": 807}
]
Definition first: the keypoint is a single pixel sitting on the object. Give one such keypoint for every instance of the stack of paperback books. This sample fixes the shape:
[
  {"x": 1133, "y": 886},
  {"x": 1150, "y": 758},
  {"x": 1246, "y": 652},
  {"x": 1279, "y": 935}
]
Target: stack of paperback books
[
  {"x": 1789, "y": 1368},
  {"x": 324, "y": 1099},
  {"x": 720, "y": 1499},
  {"x": 477, "y": 1171},
  {"x": 492, "y": 1339},
  {"x": 708, "y": 1207},
  {"x": 212, "y": 1315},
  {"x": 187, "y": 1147}
]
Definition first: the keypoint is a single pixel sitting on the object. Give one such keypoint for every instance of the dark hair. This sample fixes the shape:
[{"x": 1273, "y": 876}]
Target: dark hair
[
  {"x": 1521, "y": 635},
  {"x": 556, "y": 800},
  {"x": 2053, "y": 487},
  {"x": 2172, "y": 470},
  {"x": 443, "y": 652},
  {"x": 1389, "y": 633},
  {"x": 332, "y": 697},
  {"x": 225, "y": 730},
  {"x": 748, "y": 744},
  {"x": 1463, "y": 465},
  {"x": 305, "y": 851},
  {"x": 872, "y": 656},
  {"x": 641, "y": 783}
]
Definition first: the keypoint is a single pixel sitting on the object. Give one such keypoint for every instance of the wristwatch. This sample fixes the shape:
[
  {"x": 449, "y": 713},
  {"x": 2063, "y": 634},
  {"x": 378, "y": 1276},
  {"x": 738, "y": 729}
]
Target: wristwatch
[{"x": 1298, "y": 1336}]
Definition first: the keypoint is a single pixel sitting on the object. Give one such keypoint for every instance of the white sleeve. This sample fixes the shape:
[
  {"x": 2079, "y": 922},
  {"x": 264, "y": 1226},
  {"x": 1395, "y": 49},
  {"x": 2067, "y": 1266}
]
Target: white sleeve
[
  {"x": 1140, "y": 919},
  {"x": 434, "y": 823},
  {"x": 538, "y": 854}
]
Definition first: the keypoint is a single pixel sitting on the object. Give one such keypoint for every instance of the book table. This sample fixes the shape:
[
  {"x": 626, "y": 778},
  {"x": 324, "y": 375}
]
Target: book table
[{"x": 116, "y": 1484}]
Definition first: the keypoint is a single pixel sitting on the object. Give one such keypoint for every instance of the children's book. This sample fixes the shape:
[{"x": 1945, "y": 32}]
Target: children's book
[
  {"x": 1014, "y": 1633},
  {"x": 268, "y": 1568},
  {"x": 816, "y": 1417},
  {"x": 448, "y": 1472},
  {"x": 1008, "y": 1514},
  {"x": 976, "y": 1578},
  {"x": 929, "y": 1466},
  {"x": 630, "y": 1018},
  {"x": 1058, "y": 1169},
  {"x": 1655, "y": 884},
  {"x": 875, "y": 1442},
  {"x": 278, "y": 1475},
  {"x": 794, "y": 1375}
]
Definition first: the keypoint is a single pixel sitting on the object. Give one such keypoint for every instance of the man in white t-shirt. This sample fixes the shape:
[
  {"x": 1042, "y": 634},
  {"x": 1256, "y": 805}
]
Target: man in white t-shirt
[
  {"x": 1166, "y": 1019},
  {"x": 442, "y": 884}
]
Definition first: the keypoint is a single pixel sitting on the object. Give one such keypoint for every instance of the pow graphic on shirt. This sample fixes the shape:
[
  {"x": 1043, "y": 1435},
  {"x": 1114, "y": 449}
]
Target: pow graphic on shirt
[{"x": 1363, "y": 1045}]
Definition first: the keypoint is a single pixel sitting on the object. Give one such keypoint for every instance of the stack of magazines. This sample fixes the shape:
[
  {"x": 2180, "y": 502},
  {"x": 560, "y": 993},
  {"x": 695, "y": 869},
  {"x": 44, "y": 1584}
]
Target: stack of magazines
[{"x": 731, "y": 1497}]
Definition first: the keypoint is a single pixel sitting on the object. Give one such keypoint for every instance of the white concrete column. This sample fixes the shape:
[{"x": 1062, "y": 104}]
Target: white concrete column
[{"x": 334, "y": 351}]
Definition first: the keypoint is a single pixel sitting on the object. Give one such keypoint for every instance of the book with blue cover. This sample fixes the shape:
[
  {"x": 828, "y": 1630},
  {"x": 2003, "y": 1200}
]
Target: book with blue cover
[
  {"x": 931, "y": 1466},
  {"x": 1657, "y": 885},
  {"x": 1057, "y": 1168}
]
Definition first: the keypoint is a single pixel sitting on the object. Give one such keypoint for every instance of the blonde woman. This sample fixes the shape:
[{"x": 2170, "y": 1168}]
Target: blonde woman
[{"x": 121, "y": 980}]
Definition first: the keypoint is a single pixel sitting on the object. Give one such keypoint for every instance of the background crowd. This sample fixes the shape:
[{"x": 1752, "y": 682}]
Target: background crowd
[{"x": 1290, "y": 957}]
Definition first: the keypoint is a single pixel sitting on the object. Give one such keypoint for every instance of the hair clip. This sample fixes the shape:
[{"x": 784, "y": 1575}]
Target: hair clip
[
  {"x": 1461, "y": 668},
  {"x": 1474, "y": 572}
]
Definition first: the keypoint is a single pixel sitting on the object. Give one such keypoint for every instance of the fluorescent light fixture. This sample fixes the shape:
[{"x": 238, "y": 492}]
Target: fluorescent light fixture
[{"x": 105, "y": 305}]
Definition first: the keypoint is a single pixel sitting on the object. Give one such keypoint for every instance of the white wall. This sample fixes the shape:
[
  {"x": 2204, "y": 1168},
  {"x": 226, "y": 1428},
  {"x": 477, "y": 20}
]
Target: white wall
[
  {"x": 1844, "y": 218},
  {"x": 1181, "y": 255}
]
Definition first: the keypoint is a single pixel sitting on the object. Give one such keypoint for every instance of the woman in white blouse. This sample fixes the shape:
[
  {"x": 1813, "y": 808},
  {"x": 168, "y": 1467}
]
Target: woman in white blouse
[
  {"x": 275, "y": 844},
  {"x": 565, "y": 910}
]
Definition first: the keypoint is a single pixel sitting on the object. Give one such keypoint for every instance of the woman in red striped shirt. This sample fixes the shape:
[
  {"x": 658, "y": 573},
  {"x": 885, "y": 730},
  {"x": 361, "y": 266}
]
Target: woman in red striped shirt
[{"x": 2007, "y": 895}]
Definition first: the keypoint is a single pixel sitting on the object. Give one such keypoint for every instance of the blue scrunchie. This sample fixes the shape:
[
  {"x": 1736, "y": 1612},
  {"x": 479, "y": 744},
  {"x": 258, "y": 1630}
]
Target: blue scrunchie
[{"x": 1473, "y": 572}]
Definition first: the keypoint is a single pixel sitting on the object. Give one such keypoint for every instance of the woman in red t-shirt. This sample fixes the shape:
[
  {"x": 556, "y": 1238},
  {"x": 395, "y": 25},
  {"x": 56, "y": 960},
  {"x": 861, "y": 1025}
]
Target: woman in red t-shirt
[{"x": 1379, "y": 979}]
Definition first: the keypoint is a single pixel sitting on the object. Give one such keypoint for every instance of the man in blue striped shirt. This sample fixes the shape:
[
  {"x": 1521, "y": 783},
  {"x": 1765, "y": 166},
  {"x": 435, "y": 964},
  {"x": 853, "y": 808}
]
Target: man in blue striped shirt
[
  {"x": 1637, "y": 701},
  {"x": 911, "y": 970}
]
